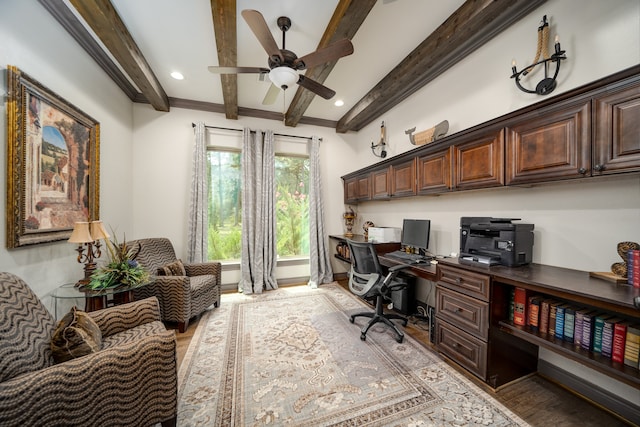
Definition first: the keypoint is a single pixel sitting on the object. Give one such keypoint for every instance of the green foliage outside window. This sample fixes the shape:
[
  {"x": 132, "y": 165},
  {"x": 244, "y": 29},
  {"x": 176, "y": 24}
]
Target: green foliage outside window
[{"x": 225, "y": 205}]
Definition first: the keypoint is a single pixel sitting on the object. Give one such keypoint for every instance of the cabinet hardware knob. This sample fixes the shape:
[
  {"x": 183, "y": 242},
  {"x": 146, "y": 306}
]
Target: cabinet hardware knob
[
  {"x": 598, "y": 168},
  {"x": 458, "y": 280},
  {"x": 582, "y": 171}
]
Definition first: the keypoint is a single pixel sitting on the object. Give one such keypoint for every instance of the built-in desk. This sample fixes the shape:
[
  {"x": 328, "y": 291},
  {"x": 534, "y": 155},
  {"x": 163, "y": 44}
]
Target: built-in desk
[
  {"x": 474, "y": 329},
  {"x": 423, "y": 270}
]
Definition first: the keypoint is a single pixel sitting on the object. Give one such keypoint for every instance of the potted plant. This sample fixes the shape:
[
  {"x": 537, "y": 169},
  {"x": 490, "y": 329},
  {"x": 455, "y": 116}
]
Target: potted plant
[{"x": 121, "y": 270}]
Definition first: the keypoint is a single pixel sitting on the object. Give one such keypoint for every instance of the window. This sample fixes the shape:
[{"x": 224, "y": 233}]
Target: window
[{"x": 225, "y": 205}]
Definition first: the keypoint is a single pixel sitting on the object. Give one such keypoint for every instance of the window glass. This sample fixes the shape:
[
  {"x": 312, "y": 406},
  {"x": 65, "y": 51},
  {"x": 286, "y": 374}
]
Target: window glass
[{"x": 225, "y": 205}]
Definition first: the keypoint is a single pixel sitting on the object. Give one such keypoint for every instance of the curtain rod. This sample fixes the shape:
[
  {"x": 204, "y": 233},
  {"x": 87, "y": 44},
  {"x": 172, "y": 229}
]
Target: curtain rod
[{"x": 253, "y": 131}]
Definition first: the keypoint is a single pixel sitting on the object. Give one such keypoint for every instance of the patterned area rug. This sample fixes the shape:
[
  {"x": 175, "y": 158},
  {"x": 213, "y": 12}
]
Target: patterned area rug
[{"x": 291, "y": 357}]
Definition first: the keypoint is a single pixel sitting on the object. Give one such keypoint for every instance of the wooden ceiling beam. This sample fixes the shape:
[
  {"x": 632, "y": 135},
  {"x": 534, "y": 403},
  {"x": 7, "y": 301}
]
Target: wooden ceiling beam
[
  {"x": 345, "y": 22},
  {"x": 223, "y": 13},
  {"x": 472, "y": 25},
  {"x": 76, "y": 29},
  {"x": 105, "y": 22}
]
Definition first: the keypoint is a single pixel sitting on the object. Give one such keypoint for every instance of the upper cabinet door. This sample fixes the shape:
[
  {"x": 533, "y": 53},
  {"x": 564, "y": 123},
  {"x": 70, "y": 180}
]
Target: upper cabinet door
[
  {"x": 380, "y": 184},
  {"x": 616, "y": 145},
  {"x": 356, "y": 189},
  {"x": 434, "y": 172},
  {"x": 479, "y": 162},
  {"x": 550, "y": 145},
  {"x": 403, "y": 179}
]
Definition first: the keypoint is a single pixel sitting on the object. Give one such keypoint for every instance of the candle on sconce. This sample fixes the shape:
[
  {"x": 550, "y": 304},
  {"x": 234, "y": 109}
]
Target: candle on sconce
[
  {"x": 557, "y": 44},
  {"x": 513, "y": 66}
]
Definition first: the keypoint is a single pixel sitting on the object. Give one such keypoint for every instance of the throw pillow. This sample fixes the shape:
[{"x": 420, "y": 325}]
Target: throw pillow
[
  {"x": 75, "y": 335},
  {"x": 175, "y": 268}
]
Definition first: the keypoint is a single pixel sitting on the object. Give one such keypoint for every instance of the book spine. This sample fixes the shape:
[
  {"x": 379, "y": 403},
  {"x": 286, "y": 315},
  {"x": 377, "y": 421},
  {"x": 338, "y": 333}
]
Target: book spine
[
  {"x": 560, "y": 321},
  {"x": 520, "y": 307},
  {"x": 598, "y": 325},
  {"x": 630, "y": 267},
  {"x": 544, "y": 316},
  {"x": 607, "y": 336},
  {"x": 619, "y": 342},
  {"x": 587, "y": 331},
  {"x": 553, "y": 309},
  {"x": 633, "y": 268},
  {"x": 632, "y": 346},
  {"x": 534, "y": 313},
  {"x": 512, "y": 293},
  {"x": 577, "y": 330},
  {"x": 569, "y": 323}
]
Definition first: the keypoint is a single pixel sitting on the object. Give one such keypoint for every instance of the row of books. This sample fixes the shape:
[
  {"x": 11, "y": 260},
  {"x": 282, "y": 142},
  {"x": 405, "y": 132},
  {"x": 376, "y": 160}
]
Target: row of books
[
  {"x": 589, "y": 329},
  {"x": 633, "y": 268}
]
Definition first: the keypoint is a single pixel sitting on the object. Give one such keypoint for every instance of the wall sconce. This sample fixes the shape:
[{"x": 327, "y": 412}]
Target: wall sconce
[
  {"x": 381, "y": 144},
  {"x": 547, "y": 84},
  {"x": 88, "y": 235}
]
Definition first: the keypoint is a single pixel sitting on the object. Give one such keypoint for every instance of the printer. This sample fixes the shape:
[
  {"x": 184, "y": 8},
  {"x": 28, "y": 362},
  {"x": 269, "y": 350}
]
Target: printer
[{"x": 495, "y": 241}]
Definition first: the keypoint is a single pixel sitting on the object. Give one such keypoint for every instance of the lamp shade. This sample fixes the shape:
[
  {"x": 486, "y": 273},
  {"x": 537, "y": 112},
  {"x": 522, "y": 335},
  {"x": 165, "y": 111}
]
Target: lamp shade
[
  {"x": 80, "y": 233},
  {"x": 97, "y": 231},
  {"x": 283, "y": 77}
]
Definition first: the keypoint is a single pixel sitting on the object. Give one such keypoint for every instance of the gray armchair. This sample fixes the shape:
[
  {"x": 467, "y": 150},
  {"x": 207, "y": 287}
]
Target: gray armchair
[
  {"x": 130, "y": 381},
  {"x": 181, "y": 297}
]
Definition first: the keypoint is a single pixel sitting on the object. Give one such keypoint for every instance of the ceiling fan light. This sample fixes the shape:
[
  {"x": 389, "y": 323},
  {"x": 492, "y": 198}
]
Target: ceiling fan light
[{"x": 283, "y": 77}]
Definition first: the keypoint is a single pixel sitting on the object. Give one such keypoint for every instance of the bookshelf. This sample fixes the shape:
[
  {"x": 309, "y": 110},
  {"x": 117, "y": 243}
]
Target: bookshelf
[
  {"x": 465, "y": 289},
  {"x": 600, "y": 363}
]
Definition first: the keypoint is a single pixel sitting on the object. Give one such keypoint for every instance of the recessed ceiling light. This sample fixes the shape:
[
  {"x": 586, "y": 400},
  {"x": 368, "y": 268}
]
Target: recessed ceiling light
[
  {"x": 339, "y": 103},
  {"x": 176, "y": 75}
]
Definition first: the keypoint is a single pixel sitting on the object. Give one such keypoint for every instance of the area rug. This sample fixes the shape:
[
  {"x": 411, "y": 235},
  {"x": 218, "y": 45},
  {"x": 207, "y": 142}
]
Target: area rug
[{"x": 290, "y": 357}]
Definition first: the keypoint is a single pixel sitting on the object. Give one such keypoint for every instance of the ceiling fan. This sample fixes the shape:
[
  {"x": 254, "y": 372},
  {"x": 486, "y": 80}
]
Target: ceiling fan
[{"x": 284, "y": 64}]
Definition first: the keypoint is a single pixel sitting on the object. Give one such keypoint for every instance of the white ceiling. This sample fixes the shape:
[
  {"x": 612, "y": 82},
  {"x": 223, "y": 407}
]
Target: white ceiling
[{"x": 178, "y": 36}]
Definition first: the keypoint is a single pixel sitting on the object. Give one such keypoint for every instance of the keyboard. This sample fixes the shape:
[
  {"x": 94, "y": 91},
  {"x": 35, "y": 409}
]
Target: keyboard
[{"x": 407, "y": 257}]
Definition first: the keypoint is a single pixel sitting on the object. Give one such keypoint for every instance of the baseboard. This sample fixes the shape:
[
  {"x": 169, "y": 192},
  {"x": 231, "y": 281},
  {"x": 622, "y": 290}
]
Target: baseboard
[{"x": 600, "y": 397}]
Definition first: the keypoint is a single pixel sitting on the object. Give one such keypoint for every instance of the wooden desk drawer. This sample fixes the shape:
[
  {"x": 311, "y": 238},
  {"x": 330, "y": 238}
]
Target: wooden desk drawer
[
  {"x": 469, "y": 314},
  {"x": 473, "y": 284},
  {"x": 465, "y": 349}
]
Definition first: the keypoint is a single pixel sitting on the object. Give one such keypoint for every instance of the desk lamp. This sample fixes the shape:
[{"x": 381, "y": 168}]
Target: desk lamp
[{"x": 87, "y": 235}]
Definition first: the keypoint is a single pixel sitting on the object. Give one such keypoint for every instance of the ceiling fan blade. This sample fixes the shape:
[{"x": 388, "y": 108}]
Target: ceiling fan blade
[
  {"x": 316, "y": 87},
  {"x": 260, "y": 29},
  {"x": 271, "y": 95},
  {"x": 237, "y": 70},
  {"x": 330, "y": 53}
]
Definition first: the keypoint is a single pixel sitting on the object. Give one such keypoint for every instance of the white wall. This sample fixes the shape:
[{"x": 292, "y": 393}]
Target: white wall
[
  {"x": 577, "y": 224},
  {"x": 32, "y": 40},
  {"x": 163, "y": 144}
]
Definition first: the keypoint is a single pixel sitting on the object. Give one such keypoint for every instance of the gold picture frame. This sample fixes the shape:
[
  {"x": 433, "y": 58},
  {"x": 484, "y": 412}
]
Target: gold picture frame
[{"x": 53, "y": 163}]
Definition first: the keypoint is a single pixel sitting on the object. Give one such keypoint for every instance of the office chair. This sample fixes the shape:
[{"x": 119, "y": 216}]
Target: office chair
[{"x": 367, "y": 280}]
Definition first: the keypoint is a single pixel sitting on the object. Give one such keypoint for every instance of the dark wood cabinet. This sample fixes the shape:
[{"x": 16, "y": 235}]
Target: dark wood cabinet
[
  {"x": 550, "y": 145},
  {"x": 479, "y": 162},
  {"x": 473, "y": 325},
  {"x": 434, "y": 172},
  {"x": 380, "y": 185},
  {"x": 616, "y": 146},
  {"x": 465, "y": 311},
  {"x": 588, "y": 132},
  {"x": 356, "y": 189},
  {"x": 403, "y": 179}
]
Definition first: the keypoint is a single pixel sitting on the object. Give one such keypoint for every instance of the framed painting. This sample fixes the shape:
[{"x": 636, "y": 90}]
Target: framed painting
[{"x": 53, "y": 163}]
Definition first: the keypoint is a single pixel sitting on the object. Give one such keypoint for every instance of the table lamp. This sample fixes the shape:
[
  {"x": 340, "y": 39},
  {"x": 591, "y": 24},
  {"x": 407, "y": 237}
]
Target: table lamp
[{"x": 87, "y": 235}]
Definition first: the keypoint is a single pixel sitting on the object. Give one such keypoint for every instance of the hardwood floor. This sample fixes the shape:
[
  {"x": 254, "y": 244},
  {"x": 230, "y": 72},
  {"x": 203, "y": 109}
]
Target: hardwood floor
[{"x": 535, "y": 399}]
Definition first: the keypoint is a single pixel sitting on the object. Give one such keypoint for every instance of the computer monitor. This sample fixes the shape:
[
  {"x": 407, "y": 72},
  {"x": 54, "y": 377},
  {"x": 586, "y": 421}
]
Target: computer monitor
[{"x": 415, "y": 233}]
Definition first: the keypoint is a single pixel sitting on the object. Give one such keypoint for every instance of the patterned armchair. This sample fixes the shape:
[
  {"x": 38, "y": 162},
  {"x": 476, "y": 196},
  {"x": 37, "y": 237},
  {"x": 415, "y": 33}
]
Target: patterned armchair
[
  {"x": 130, "y": 381},
  {"x": 181, "y": 296}
]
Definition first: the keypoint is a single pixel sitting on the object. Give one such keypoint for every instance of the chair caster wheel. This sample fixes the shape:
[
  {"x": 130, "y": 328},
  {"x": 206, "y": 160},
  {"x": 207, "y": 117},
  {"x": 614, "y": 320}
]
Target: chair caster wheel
[
  {"x": 399, "y": 339},
  {"x": 352, "y": 319},
  {"x": 363, "y": 337},
  {"x": 405, "y": 322}
]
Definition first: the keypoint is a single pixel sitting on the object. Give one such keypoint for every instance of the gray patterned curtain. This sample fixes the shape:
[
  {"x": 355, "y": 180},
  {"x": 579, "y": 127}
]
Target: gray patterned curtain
[
  {"x": 198, "y": 209},
  {"x": 258, "y": 262},
  {"x": 319, "y": 261}
]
